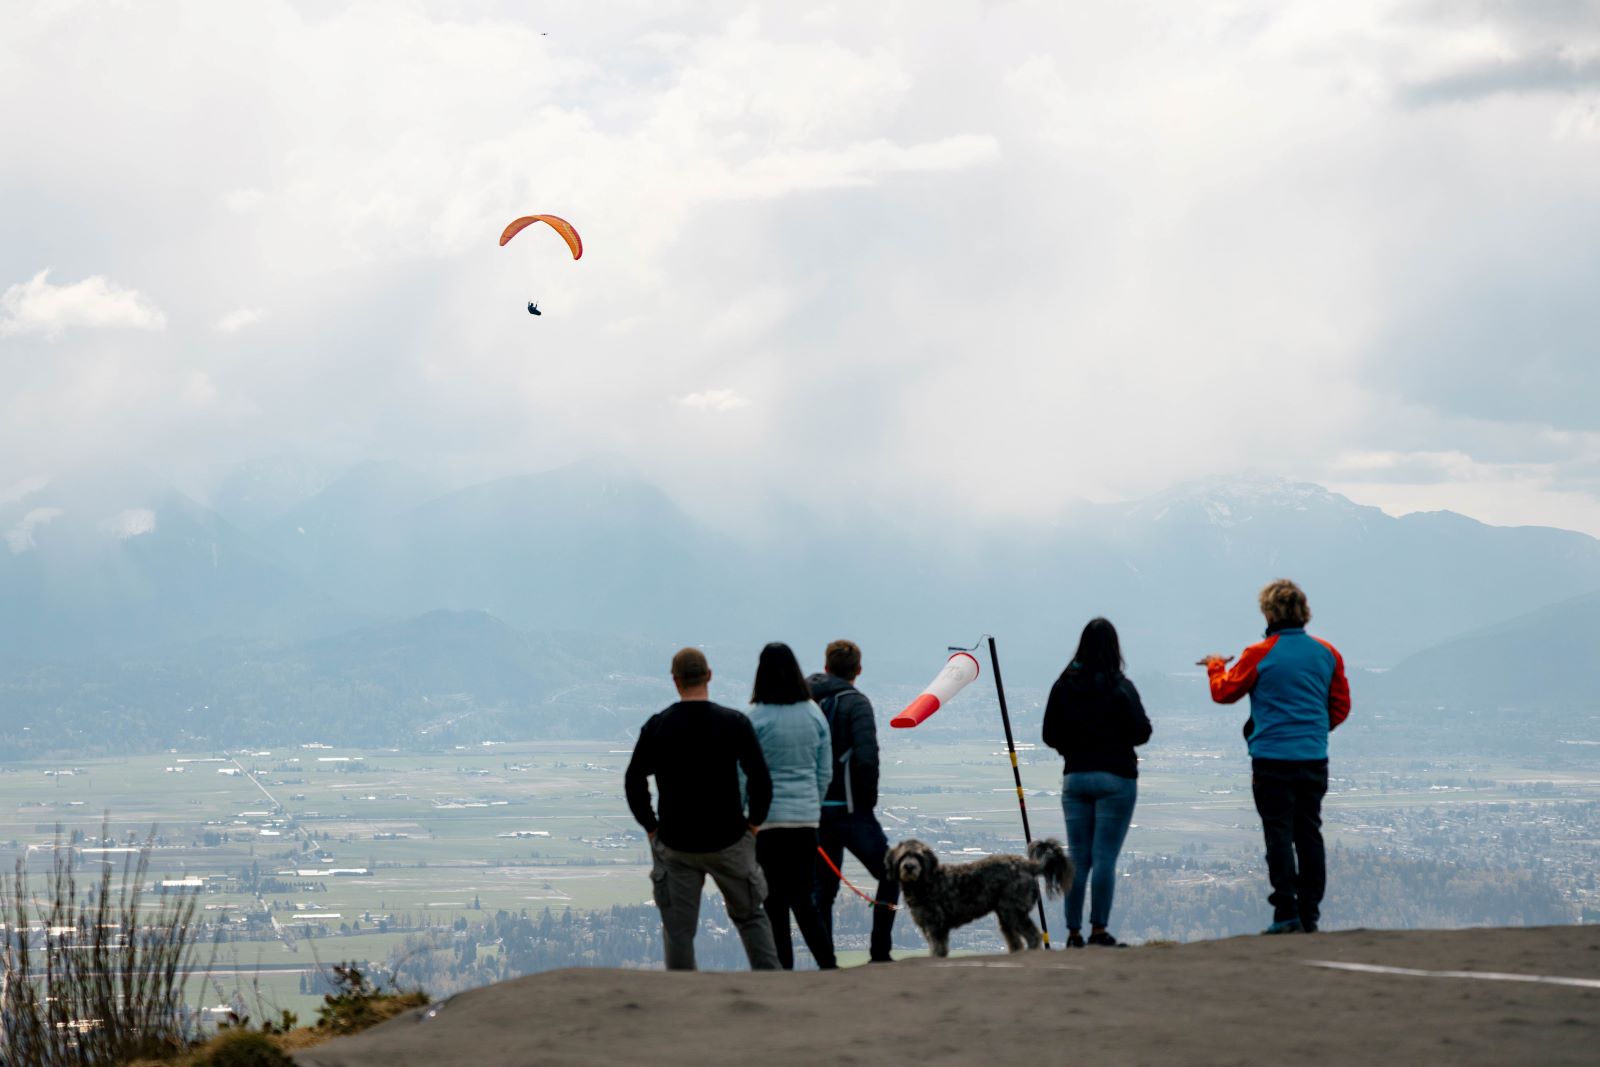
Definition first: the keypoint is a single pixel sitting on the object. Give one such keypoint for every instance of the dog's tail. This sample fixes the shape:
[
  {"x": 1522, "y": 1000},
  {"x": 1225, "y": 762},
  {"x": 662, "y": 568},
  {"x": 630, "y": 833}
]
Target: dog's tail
[{"x": 1055, "y": 866}]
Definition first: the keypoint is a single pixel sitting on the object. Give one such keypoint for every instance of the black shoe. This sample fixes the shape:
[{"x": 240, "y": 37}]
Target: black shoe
[
  {"x": 1074, "y": 939},
  {"x": 881, "y": 959},
  {"x": 1105, "y": 940},
  {"x": 1308, "y": 926},
  {"x": 1284, "y": 926}
]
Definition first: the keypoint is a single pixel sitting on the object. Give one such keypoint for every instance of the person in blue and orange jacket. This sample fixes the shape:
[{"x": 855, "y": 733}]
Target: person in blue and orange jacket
[{"x": 1298, "y": 694}]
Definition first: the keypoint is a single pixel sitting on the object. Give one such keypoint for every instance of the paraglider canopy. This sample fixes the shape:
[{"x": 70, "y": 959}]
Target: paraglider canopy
[{"x": 560, "y": 225}]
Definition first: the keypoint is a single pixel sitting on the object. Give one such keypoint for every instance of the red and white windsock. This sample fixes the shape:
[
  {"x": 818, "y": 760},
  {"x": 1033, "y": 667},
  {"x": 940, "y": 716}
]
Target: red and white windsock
[{"x": 959, "y": 672}]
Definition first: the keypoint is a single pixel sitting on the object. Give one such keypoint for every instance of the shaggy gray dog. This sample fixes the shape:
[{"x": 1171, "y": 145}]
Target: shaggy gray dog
[{"x": 942, "y": 898}]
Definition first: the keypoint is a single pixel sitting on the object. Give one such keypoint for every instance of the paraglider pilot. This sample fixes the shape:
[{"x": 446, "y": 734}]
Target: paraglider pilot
[{"x": 533, "y": 309}]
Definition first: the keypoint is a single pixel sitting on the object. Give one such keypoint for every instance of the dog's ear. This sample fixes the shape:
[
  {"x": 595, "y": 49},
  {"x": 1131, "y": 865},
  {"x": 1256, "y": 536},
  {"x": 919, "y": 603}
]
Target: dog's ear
[
  {"x": 929, "y": 859},
  {"x": 889, "y": 862}
]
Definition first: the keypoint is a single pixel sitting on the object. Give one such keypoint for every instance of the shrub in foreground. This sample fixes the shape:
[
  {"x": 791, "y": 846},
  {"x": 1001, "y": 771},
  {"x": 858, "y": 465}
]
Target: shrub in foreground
[
  {"x": 357, "y": 1003},
  {"x": 243, "y": 1048}
]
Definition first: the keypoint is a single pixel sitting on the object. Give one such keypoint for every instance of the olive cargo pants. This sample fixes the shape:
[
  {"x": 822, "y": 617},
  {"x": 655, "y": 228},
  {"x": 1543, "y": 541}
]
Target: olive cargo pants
[{"x": 677, "y": 880}]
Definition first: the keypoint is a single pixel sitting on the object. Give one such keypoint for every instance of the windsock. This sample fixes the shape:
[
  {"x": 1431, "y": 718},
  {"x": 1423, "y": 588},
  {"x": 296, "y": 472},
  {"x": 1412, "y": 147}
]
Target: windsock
[{"x": 958, "y": 673}]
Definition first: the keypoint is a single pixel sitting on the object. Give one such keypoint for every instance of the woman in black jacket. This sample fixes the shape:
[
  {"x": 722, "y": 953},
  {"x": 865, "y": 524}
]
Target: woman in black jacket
[{"x": 1094, "y": 719}]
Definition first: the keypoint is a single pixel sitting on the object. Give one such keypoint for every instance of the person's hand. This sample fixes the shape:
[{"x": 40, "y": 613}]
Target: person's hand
[
  {"x": 651, "y": 834},
  {"x": 1207, "y": 660},
  {"x": 754, "y": 829}
]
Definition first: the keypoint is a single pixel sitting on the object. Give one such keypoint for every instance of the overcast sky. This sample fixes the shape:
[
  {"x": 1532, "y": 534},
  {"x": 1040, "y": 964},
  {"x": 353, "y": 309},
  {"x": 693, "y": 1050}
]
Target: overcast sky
[{"x": 991, "y": 255}]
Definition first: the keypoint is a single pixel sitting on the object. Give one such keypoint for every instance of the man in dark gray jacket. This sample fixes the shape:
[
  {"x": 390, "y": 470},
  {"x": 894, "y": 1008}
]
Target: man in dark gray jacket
[{"x": 847, "y": 818}]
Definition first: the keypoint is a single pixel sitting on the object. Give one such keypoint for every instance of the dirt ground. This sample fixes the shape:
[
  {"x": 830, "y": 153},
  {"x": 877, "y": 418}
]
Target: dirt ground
[{"x": 1247, "y": 1000}]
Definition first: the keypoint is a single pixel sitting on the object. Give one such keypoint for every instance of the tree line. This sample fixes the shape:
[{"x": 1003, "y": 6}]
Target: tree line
[{"x": 1159, "y": 898}]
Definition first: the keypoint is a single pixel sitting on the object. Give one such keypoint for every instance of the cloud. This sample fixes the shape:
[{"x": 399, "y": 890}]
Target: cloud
[
  {"x": 242, "y": 201},
  {"x": 714, "y": 400},
  {"x": 1511, "y": 338},
  {"x": 199, "y": 389},
  {"x": 1504, "y": 473},
  {"x": 785, "y": 172},
  {"x": 20, "y": 537},
  {"x": 1115, "y": 242},
  {"x": 238, "y": 319},
  {"x": 1515, "y": 494},
  {"x": 1431, "y": 468},
  {"x": 130, "y": 523},
  {"x": 24, "y": 488},
  {"x": 1544, "y": 72},
  {"x": 36, "y": 306},
  {"x": 1471, "y": 51}
]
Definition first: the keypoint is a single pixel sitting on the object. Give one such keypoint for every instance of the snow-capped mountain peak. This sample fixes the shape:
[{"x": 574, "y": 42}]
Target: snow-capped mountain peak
[{"x": 1235, "y": 499}]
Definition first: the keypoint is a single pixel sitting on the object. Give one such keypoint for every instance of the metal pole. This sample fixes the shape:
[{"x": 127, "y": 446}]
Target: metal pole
[{"x": 1016, "y": 773}]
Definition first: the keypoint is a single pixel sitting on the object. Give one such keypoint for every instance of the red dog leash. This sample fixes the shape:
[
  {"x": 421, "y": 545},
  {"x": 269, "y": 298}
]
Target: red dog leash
[{"x": 834, "y": 867}]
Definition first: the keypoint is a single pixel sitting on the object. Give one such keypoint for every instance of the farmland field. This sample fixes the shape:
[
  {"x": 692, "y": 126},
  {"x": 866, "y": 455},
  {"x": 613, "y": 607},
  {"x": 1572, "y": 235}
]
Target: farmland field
[{"x": 427, "y": 839}]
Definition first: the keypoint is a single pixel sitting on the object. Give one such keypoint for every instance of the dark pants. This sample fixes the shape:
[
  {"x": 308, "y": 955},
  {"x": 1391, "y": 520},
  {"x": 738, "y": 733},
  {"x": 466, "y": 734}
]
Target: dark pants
[
  {"x": 788, "y": 857},
  {"x": 677, "y": 880},
  {"x": 860, "y": 833},
  {"x": 1289, "y": 800}
]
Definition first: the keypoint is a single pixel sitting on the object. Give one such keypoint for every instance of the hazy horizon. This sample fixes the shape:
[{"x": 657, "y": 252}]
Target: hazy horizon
[{"x": 286, "y": 481}]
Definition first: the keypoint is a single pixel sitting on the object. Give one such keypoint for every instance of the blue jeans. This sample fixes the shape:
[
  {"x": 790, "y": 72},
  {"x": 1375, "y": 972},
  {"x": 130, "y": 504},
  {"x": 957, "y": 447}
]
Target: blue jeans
[{"x": 1098, "y": 806}]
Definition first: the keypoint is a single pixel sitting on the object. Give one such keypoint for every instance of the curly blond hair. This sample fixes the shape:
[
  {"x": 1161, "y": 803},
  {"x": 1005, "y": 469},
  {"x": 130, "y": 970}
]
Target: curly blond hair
[{"x": 1284, "y": 604}]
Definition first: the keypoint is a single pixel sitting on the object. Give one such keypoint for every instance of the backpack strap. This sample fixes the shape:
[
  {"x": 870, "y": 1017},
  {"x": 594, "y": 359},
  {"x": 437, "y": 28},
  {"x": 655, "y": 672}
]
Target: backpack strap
[{"x": 829, "y": 705}]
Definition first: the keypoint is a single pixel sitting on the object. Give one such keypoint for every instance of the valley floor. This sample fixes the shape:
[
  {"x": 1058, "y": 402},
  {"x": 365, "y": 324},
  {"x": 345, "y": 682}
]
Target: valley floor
[{"x": 1246, "y": 1000}]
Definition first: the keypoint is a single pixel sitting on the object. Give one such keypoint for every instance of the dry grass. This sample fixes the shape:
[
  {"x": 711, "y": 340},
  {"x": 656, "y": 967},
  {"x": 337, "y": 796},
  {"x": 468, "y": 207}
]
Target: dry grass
[
  {"x": 381, "y": 1008},
  {"x": 89, "y": 977}
]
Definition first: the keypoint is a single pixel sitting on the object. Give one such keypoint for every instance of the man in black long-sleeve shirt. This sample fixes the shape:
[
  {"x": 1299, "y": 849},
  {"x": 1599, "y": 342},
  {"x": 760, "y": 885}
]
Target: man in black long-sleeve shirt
[{"x": 696, "y": 749}]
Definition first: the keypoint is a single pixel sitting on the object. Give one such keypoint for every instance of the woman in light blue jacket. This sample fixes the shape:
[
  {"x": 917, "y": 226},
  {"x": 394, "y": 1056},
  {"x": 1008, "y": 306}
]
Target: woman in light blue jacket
[{"x": 794, "y": 739}]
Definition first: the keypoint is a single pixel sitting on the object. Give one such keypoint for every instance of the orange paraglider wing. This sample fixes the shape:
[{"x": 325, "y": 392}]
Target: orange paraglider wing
[{"x": 560, "y": 225}]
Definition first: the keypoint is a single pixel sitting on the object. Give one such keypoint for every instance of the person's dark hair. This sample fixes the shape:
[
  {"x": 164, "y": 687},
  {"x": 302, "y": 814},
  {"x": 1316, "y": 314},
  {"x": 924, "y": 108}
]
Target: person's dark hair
[
  {"x": 689, "y": 668},
  {"x": 1099, "y": 651},
  {"x": 779, "y": 679},
  {"x": 842, "y": 659}
]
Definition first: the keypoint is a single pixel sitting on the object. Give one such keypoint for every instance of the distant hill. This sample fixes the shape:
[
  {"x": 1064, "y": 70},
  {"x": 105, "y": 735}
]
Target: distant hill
[
  {"x": 592, "y": 546},
  {"x": 474, "y": 655},
  {"x": 1547, "y": 658},
  {"x": 441, "y": 677}
]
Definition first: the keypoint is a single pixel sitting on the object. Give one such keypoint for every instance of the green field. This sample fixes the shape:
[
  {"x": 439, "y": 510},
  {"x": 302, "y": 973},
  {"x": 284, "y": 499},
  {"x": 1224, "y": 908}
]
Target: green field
[{"x": 431, "y": 831}]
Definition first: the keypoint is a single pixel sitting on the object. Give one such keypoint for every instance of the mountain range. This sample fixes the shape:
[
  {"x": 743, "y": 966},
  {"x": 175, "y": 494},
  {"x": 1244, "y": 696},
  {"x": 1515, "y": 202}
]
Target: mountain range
[{"x": 378, "y": 577}]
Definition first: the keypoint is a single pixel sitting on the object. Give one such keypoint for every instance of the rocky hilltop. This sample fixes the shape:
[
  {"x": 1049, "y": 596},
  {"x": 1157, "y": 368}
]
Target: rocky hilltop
[{"x": 1490, "y": 996}]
